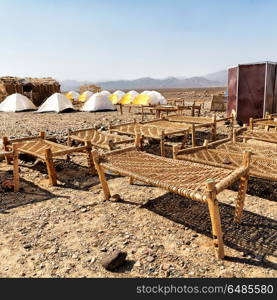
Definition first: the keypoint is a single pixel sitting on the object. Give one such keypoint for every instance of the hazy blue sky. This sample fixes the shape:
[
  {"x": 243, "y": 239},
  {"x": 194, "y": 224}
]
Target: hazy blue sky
[{"x": 124, "y": 39}]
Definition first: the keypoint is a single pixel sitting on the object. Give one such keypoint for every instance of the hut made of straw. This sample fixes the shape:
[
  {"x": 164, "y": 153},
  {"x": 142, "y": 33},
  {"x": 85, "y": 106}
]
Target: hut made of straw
[
  {"x": 90, "y": 87},
  {"x": 36, "y": 89}
]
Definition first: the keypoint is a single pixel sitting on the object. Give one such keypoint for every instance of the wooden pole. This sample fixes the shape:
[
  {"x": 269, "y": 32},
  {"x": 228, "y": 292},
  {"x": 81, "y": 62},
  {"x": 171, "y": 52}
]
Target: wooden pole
[
  {"x": 214, "y": 128},
  {"x": 15, "y": 168},
  {"x": 42, "y": 135},
  {"x": 6, "y": 148},
  {"x": 50, "y": 167},
  {"x": 162, "y": 144},
  {"x": 215, "y": 218},
  {"x": 242, "y": 188},
  {"x": 193, "y": 139},
  {"x": 90, "y": 158},
  {"x": 251, "y": 124},
  {"x": 101, "y": 175}
]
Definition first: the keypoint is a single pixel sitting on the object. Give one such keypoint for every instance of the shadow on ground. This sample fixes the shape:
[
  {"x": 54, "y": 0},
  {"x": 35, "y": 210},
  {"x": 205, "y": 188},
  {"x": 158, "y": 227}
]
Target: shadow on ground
[{"x": 255, "y": 236}]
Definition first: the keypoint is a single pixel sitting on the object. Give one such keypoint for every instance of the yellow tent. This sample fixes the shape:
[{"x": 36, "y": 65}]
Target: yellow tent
[
  {"x": 129, "y": 97},
  {"x": 142, "y": 99},
  {"x": 72, "y": 96},
  {"x": 84, "y": 96}
]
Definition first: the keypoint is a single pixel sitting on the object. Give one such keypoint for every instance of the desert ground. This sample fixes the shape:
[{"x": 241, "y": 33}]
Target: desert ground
[{"x": 64, "y": 231}]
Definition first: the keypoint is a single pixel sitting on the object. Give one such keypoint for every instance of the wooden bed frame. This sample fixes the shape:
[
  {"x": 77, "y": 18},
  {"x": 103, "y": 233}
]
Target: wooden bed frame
[
  {"x": 150, "y": 130},
  {"x": 227, "y": 154},
  {"x": 14, "y": 156},
  {"x": 98, "y": 139},
  {"x": 192, "y": 180},
  {"x": 44, "y": 150},
  {"x": 266, "y": 123}
]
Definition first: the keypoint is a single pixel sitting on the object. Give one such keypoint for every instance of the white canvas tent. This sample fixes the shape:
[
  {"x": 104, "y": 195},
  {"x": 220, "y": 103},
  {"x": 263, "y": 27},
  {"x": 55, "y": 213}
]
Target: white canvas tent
[
  {"x": 105, "y": 93},
  {"x": 98, "y": 102},
  {"x": 116, "y": 96},
  {"x": 72, "y": 95},
  {"x": 17, "y": 102},
  {"x": 157, "y": 98},
  {"x": 56, "y": 103}
]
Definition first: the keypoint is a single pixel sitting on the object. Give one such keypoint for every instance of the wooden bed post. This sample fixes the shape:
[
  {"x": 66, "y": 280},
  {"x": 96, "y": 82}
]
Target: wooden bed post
[
  {"x": 193, "y": 139},
  {"x": 138, "y": 141},
  {"x": 215, "y": 218},
  {"x": 175, "y": 149},
  {"x": 214, "y": 127},
  {"x": 90, "y": 158},
  {"x": 142, "y": 113},
  {"x": 242, "y": 189},
  {"x": 69, "y": 142},
  {"x": 206, "y": 143},
  {"x": 101, "y": 175},
  {"x": 162, "y": 144},
  {"x": 234, "y": 136},
  {"x": 6, "y": 148},
  {"x": 251, "y": 123},
  {"x": 42, "y": 135},
  {"x": 50, "y": 167},
  {"x": 15, "y": 168},
  {"x": 120, "y": 108}
]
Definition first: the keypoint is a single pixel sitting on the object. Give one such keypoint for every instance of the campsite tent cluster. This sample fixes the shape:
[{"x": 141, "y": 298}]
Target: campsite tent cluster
[
  {"x": 99, "y": 101},
  {"x": 120, "y": 97}
]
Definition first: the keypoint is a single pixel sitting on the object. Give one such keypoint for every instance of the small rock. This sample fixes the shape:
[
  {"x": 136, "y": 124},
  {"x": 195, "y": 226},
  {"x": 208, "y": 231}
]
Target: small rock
[
  {"x": 113, "y": 260},
  {"x": 115, "y": 198},
  {"x": 137, "y": 264},
  {"x": 150, "y": 258},
  {"x": 103, "y": 249}
]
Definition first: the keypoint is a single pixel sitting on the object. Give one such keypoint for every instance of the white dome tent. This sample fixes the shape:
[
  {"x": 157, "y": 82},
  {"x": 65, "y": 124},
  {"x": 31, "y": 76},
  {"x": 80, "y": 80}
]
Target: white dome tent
[
  {"x": 129, "y": 97},
  {"x": 72, "y": 95},
  {"x": 98, "y": 102},
  {"x": 116, "y": 96},
  {"x": 105, "y": 93},
  {"x": 85, "y": 96},
  {"x": 157, "y": 97},
  {"x": 16, "y": 103},
  {"x": 56, "y": 103}
]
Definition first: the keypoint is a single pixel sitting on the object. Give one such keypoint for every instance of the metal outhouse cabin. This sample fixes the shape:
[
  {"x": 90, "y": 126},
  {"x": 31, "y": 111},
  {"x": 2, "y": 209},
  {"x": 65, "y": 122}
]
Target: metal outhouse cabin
[{"x": 252, "y": 90}]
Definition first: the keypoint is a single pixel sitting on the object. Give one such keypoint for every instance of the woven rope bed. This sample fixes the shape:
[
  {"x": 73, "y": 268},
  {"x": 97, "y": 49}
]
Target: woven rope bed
[
  {"x": 44, "y": 150},
  {"x": 260, "y": 166},
  {"x": 193, "y": 180},
  {"x": 14, "y": 156},
  {"x": 270, "y": 137},
  {"x": 156, "y": 130},
  {"x": 98, "y": 139}
]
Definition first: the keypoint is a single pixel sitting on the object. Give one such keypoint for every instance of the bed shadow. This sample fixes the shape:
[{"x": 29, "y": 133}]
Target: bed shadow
[
  {"x": 256, "y": 236},
  {"x": 29, "y": 193},
  {"x": 71, "y": 174}
]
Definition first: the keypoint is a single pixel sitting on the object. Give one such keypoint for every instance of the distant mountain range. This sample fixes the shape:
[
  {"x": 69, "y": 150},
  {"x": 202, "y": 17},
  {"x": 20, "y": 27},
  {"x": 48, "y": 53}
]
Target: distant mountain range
[{"x": 210, "y": 80}]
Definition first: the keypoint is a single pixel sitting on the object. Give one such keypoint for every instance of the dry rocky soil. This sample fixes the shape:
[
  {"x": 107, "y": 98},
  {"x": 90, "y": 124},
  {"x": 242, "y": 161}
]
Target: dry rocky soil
[{"x": 64, "y": 231}]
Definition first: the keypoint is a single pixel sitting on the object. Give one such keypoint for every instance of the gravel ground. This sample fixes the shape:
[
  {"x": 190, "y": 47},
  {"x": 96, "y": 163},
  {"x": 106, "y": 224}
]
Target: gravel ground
[{"x": 64, "y": 231}]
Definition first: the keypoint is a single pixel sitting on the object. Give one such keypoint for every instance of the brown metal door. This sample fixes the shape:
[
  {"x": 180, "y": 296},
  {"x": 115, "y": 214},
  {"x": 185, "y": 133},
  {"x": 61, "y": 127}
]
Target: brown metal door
[{"x": 250, "y": 92}]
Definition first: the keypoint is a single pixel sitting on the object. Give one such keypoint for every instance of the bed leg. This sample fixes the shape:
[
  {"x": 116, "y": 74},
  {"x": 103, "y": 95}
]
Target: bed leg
[
  {"x": 131, "y": 180},
  {"x": 162, "y": 144},
  {"x": 193, "y": 139},
  {"x": 6, "y": 148},
  {"x": 15, "y": 169},
  {"x": 90, "y": 158},
  {"x": 50, "y": 167},
  {"x": 101, "y": 175},
  {"x": 215, "y": 219},
  {"x": 240, "y": 199}
]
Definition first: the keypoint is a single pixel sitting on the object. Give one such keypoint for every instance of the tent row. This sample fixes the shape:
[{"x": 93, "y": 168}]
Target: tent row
[
  {"x": 120, "y": 97},
  {"x": 55, "y": 103},
  {"x": 133, "y": 97}
]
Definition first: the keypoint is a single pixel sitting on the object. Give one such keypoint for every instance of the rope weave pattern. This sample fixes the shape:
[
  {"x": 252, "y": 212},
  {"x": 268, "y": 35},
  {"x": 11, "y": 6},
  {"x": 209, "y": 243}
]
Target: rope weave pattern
[
  {"x": 182, "y": 177},
  {"x": 98, "y": 138},
  {"x": 260, "y": 167}
]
